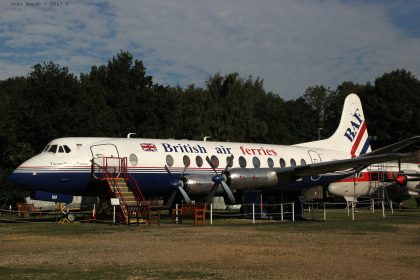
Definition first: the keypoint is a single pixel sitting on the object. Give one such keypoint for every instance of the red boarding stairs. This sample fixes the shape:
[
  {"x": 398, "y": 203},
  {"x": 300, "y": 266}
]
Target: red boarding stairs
[{"x": 133, "y": 207}]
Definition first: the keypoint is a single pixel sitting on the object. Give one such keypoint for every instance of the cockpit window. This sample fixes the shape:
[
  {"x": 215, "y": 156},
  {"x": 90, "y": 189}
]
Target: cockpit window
[
  {"x": 52, "y": 149},
  {"x": 67, "y": 149},
  {"x": 46, "y": 148},
  {"x": 60, "y": 149}
]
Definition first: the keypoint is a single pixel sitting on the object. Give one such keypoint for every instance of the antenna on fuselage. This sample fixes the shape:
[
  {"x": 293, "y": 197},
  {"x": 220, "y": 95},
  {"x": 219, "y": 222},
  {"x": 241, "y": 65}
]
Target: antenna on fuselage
[
  {"x": 129, "y": 134},
  {"x": 206, "y": 137}
]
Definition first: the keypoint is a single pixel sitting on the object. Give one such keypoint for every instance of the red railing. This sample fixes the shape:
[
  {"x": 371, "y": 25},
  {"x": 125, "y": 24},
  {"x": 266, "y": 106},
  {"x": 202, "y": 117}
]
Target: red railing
[{"x": 112, "y": 168}]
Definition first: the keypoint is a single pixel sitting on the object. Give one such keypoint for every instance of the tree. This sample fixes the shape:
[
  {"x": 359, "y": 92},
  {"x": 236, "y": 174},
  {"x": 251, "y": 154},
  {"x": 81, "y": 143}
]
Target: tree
[
  {"x": 392, "y": 107},
  {"x": 316, "y": 97}
]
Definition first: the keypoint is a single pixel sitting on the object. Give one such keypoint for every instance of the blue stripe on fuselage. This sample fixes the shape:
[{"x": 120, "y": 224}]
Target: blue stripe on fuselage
[{"x": 151, "y": 184}]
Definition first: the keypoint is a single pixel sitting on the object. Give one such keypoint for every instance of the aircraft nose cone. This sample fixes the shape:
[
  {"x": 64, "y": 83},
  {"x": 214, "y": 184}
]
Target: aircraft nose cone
[
  {"x": 23, "y": 178},
  {"x": 17, "y": 178}
]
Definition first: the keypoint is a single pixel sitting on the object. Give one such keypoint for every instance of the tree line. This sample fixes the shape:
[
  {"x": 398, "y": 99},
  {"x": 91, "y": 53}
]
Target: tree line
[{"x": 120, "y": 97}]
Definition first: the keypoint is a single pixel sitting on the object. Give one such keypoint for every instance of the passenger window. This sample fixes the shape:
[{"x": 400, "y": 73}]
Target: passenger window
[
  {"x": 256, "y": 162},
  {"x": 215, "y": 161},
  {"x": 60, "y": 149},
  {"x": 52, "y": 149},
  {"x": 133, "y": 159},
  {"x": 186, "y": 161},
  {"x": 242, "y": 162},
  {"x": 270, "y": 162},
  {"x": 302, "y": 162},
  {"x": 282, "y": 162},
  {"x": 198, "y": 161},
  {"x": 79, "y": 146},
  {"x": 67, "y": 149},
  {"x": 292, "y": 162},
  {"x": 169, "y": 160}
]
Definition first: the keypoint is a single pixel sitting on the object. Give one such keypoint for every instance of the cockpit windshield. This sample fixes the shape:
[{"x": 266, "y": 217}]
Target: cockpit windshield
[{"x": 54, "y": 148}]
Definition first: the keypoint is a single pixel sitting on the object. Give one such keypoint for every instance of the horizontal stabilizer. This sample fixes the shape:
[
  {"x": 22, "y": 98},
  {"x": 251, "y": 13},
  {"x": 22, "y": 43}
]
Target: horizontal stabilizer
[{"x": 396, "y": 147}]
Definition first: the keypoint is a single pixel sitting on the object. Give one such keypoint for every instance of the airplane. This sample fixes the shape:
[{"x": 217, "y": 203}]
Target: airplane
[
  {"x": 184, "y": 169},
  {"x": 398, "y": 178}
]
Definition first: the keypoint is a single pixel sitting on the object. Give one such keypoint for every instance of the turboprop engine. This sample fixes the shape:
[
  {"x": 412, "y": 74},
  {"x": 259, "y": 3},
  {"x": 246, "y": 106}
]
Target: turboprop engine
[
  {"x": 236, "y": 179},
  {"x": 242, "y": 179},
  {"x": 199, "y": 185}
]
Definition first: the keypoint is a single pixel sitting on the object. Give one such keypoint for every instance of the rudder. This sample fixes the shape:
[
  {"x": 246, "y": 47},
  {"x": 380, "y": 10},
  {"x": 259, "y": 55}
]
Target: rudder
[{"x": 351, "y": 135}]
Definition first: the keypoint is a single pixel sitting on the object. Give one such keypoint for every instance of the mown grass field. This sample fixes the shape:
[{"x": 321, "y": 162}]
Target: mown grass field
[{"x": 370, "y": 247}]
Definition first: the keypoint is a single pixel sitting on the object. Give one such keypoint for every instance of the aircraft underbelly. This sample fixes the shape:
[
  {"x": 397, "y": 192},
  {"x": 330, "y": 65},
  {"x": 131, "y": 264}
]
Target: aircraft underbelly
[{"x": 65, "y": 182}]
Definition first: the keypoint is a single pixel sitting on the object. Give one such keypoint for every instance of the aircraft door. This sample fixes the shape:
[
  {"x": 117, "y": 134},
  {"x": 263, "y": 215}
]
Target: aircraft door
[
  {"x": 99, "y": 153},
  {"x": 315, "y": 158},
  {"x": 104, "y": 150}
]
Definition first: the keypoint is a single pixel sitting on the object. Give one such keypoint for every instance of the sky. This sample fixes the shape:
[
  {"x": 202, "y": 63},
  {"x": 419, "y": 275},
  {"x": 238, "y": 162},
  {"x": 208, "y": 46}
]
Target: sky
[{"x": 290, "y": 44}]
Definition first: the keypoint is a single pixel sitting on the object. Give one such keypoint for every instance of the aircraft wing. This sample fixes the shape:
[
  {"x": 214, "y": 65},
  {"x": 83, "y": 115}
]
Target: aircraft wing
[
  {"x": 289, "y": 174},
  {"x": 341, "y": 165}
]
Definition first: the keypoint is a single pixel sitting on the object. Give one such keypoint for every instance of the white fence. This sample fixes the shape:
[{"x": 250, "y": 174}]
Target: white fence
[
  {"x": 258, "y": 211},
  {"x": 351, "y": 207}
]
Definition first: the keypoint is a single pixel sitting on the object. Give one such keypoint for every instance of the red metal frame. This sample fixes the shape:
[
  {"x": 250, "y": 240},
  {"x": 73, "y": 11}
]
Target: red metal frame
[{"x": 117, "y": 167}]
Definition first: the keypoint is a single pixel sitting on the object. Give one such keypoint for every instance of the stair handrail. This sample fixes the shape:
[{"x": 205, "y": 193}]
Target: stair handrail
[
  {"x": 110, "y": 178},
  {"x": 121, "y": 171},
  {"x": 134, "y": 187}
]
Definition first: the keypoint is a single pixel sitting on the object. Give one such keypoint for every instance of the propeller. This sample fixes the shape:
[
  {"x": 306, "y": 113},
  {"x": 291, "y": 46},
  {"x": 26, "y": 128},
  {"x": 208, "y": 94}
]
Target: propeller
[
  {"x": 178, "y": 186},
  {"x": 219, "y": 180}
]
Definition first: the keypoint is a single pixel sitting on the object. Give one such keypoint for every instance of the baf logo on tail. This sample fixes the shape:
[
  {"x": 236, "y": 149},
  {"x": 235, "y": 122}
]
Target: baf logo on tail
[{"x": 355, "y": 133}]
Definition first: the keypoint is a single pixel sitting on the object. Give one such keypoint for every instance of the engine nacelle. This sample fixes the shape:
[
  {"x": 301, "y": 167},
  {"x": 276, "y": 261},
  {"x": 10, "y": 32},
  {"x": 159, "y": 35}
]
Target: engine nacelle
[
  {"x": 242, "y": 179},
  {"x": 198, "y": 184}
]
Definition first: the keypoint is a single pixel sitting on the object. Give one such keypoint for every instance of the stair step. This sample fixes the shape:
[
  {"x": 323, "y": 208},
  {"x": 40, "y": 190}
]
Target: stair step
[
  {"x": 134, "y": 220},
  {"x": 128, "y": 201}
]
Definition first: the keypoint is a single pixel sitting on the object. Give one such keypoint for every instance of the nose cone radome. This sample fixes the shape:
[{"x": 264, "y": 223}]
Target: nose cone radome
[{"x": 21, "y": 178}]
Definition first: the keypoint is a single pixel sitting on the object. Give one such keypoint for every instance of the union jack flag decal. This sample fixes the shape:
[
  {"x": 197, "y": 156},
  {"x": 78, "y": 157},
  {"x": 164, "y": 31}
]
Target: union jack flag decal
[{"x": 148, "y": 147}]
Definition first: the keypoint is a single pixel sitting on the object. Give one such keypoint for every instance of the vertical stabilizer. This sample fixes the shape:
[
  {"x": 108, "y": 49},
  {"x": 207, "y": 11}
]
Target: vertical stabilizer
[{"x": 351, "y": 135}]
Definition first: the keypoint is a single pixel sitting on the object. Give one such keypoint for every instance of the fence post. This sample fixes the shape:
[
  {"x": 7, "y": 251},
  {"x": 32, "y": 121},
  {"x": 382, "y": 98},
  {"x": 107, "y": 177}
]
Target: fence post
[
  {"x": 352, "y": 209},
  {"x": 281, "y": 210},
  {"x": 293, "y": 211},
  {"x": 373, "y": 205},
  {"x": 392, "y": 208},
  {"x": 113, "y": 217},
  {"x": 348, "y": 208},
  {"x": 383, "y": 209},
  {"x": 253, "y": 213},
  {"x": 325, "y": 213},
  {"x": 261, "y": 206},
  {"x": 176, "y": 213},
  {"x": 211, "y": 213}
]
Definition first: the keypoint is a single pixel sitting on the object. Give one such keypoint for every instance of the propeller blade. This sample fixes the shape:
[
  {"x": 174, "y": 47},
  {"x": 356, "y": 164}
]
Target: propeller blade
[
  {"x": 211, "y": 164},
  {"x": 229, "y": 163},
  {"x": 184, "y": 195},
  {"x": 213, "y": 192},
  {"x": 225, "y": 186},
  {"x": 228, "y": 192},
  {"x": 171, "y": 199},
  {"x": 167, "y": 169},
  {"x": 183, "y": 172},
  {"x": 178, "y": 187}
]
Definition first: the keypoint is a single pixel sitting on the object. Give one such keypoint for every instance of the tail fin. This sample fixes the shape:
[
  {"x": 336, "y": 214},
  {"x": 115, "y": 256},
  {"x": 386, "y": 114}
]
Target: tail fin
[{"x": 351, "y": 135}]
